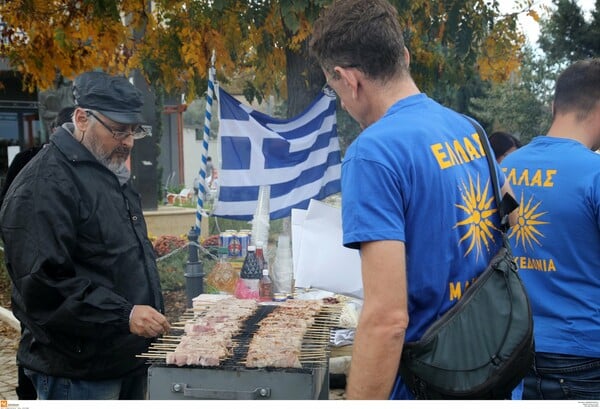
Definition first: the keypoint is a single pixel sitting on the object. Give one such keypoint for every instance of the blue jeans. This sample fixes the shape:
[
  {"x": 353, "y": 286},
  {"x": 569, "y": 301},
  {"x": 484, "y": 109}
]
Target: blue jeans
[
  {"x": 556, "y": 376},
  {"x": 55, "y": 388}
]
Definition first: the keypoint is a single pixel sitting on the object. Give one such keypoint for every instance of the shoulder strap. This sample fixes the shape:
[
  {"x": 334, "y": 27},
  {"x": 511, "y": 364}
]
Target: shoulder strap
[{"x": 507, "y": 204}]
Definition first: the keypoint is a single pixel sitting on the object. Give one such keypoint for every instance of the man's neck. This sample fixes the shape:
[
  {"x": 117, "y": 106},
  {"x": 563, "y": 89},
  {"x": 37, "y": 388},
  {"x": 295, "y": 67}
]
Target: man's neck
[
  {"x": 382, "y": 97},
  {"x": 569, "y": 126}
]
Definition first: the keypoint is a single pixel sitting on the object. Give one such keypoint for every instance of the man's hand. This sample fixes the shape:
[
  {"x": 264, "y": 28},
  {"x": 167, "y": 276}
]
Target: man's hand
[{"x": 146, "y": 322}]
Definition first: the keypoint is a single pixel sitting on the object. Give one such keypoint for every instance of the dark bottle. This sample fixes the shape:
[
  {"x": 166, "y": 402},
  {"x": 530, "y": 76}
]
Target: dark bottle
[{"x": 251, "y": 268}]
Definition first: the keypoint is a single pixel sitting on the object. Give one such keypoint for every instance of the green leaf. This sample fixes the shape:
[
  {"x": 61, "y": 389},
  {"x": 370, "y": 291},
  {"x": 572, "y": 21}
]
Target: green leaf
[
  {"x": 59, "y": 36},
  {"x": 291, "y": 21}
]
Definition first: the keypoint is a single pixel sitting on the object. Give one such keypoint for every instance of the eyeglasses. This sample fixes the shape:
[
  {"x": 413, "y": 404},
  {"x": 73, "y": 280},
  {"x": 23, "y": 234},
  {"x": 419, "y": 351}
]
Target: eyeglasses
[
  {"x": 138, "y": 133},
  {"x": 327, "y": 90}
]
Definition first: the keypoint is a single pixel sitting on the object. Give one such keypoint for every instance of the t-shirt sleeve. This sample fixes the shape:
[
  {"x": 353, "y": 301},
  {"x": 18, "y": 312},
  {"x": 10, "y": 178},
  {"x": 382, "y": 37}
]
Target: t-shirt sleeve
[{"x": 372, "y": 203}]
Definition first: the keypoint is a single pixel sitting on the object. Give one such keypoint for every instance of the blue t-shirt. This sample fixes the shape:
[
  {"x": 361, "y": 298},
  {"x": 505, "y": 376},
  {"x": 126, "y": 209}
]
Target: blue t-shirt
[
  {"x": 557, "y": 241},
  {"x": 419, "y": 175}
]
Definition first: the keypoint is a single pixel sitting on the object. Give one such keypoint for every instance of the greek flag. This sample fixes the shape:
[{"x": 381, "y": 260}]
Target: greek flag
[{"x": 299, "y": 158}]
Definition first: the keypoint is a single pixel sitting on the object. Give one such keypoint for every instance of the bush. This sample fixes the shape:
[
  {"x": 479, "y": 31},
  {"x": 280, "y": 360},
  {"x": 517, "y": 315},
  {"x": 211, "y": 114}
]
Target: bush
[
  {"x": 171, "y": 270},
  {"x": 167, "y": 243}
]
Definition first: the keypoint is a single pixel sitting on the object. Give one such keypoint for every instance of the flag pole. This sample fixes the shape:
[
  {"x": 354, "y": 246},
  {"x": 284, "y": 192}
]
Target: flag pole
[{"x": 202, "y": 188}]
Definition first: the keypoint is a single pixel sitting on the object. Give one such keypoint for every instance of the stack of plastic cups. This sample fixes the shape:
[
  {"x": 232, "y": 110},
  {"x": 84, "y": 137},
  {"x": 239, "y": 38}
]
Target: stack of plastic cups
[
  {"x": 261, "y": 219},
  {"x": 283, "y": 269}
]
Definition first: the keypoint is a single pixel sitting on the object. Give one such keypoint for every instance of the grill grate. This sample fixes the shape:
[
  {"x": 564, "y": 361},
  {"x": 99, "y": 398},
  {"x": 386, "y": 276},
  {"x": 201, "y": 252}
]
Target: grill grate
[{"x": 235, "y": 361}]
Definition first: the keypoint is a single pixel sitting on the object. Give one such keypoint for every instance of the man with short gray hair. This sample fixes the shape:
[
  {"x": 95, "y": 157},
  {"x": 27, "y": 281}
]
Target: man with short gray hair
[{"x": 85, "y": 281}]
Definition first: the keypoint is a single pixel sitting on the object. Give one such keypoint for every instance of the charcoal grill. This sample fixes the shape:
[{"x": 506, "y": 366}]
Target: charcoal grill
[{"x": 231, "y": 380}]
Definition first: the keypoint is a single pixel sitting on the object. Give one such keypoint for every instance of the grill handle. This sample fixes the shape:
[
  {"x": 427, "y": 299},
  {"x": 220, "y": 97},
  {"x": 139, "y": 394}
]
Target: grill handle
[{"x": 199, "y": 393}]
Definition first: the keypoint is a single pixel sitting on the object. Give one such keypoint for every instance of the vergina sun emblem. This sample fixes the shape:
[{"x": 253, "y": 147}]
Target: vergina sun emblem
[
  {"x": 477, "y": 204},
  {"x": 525, "y": 230}
]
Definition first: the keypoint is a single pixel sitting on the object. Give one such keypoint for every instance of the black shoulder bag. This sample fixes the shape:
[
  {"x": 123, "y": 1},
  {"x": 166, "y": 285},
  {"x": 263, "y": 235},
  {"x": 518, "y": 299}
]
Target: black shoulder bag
[{"x": 483, "y": 346}]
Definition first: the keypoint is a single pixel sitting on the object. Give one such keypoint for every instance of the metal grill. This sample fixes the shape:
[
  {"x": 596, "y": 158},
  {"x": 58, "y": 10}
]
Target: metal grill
[{"x": 233, "y": 380}]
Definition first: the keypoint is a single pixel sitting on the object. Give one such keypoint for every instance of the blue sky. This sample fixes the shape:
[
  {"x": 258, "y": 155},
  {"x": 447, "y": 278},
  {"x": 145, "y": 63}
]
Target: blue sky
[{"x": 529, "y": 25}]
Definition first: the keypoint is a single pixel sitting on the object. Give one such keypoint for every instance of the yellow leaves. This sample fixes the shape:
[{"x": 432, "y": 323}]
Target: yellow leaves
[
  {"x": 65, "y": 37},
  {"x": 72, "y": 36},
  {"x": 534, "y": 15},
  {"x": 302, "y": 34},
  {"x": 501, "y": 53}
]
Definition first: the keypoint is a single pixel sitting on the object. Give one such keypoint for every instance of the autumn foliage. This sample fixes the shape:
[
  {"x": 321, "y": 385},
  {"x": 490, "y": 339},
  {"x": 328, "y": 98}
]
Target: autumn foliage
[{"x": 171, "y": 43}]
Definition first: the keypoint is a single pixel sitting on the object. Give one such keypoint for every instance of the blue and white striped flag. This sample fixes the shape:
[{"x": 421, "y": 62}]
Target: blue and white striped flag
[{"x": 299, "y": 158}]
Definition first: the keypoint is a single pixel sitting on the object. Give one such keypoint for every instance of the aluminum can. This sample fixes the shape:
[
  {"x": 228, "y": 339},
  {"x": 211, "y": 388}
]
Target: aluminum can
[
  {"x": 234, "y": 246},
  {"x": 244, "y": 243},
  {"x": 249, "y": 233},
  {"x": 224, "y": 239}
]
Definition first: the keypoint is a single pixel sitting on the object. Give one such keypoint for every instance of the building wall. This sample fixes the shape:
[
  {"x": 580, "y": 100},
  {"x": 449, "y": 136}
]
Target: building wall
[{"x": 192, "y": 154}]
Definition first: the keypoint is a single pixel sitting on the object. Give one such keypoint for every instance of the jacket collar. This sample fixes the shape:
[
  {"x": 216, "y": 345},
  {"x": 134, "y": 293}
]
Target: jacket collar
[
  {"x": 76, "y": 152},
  {"x": 65, "y": 141}
]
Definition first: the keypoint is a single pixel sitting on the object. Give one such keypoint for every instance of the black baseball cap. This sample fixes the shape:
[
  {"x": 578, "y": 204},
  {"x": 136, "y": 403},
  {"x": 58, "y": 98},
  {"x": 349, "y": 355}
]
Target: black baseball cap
[{"x": 112, "y": 96}]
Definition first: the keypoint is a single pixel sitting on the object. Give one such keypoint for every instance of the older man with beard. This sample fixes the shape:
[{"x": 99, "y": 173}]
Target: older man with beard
[{"x": 85, "y": 281}]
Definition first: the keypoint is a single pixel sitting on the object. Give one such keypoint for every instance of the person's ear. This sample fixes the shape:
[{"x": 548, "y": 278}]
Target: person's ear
[
  {"x": 406, "y": 57},
  {"x": 81, "y": 119},
  {"x": 351, "y": 78}
]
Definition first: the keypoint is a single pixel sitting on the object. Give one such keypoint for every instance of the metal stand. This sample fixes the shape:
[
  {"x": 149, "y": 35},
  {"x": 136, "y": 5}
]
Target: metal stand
[{"x": 194, "y": 272}]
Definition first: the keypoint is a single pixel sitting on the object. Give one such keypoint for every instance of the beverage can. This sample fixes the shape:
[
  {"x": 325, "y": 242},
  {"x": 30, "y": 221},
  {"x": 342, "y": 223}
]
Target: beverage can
[
  {"x": 234, "y": 247},
  {"x": 244, "y": 243},
  {"x": 224, "y": 239},
  {"x": 249, "y": 233}
]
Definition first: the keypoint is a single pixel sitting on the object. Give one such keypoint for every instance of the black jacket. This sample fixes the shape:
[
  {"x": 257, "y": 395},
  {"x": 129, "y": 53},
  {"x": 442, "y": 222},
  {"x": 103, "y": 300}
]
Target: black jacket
[{"x": 77, "y": 251}]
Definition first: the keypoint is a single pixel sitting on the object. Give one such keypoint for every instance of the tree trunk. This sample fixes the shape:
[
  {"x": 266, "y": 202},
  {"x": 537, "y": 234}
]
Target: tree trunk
[{"x": 304, "y": 79}]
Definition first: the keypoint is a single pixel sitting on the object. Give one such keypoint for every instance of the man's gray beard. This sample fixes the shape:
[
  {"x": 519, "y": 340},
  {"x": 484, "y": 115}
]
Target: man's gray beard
[{"x": 119, "y": 168}]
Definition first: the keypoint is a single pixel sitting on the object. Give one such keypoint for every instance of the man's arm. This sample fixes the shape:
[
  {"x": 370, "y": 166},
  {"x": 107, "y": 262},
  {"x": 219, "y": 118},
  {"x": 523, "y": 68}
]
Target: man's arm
[{"x": 383, "y": 321}]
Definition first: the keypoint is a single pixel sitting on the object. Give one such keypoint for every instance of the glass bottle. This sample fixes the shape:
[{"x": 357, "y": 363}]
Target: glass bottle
[
  {"x": 265, "y": 287},
  {"x": 247, "y": 286},
  {"x": 223, "y": 276},
  {"x": 260, "y": 254},
  {"x": 251, "y": 268}
]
